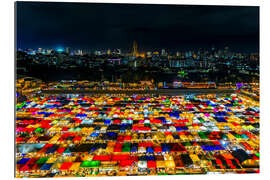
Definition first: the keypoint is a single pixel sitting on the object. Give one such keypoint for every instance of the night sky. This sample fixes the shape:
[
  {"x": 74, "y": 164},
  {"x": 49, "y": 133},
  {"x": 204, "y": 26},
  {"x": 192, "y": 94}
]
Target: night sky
[{"x": 102, "y": 26}]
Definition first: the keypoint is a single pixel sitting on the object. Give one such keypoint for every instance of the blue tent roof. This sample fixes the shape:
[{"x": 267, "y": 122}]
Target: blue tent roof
[
  {"x": 107, "y": 121},
  {"x": 162, "y": 118},
  {"x": 46, "y": 166},
  {"x": 94, "y": 134},
  {"x": 149, "y": 150},
  {"x": 165, "y": 147},
  {"x": 23, "y": 161},
  {"x": 212, "y": 148},
  {"x": 81, "y": 115},
  {"x": 181, "y": 128},
  {"x": 111, "y": 133},
  {"x": 134, "y": 149}
]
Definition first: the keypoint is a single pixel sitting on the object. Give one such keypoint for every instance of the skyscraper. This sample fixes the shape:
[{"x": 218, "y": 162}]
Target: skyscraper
[
  {"x": 163, "y": 52},
  {"x": 97, "y": 52},
  {"x": 79, "y": 52},
  {"x": 135, "y": 49},
  {"x": 67, "y": 50}
]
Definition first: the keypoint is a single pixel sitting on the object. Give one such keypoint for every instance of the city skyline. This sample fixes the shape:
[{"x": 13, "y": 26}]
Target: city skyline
[
  {"x": 61, "y": 49},
  {"x": 152, "y": 26}
]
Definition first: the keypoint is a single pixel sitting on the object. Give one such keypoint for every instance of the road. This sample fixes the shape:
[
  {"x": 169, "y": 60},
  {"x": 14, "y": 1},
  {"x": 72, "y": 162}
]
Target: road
[{"x": 157, "y": 92}]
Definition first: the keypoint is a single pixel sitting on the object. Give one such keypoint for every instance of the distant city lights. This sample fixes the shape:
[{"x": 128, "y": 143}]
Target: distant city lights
[{"x": 60, "y": 49}]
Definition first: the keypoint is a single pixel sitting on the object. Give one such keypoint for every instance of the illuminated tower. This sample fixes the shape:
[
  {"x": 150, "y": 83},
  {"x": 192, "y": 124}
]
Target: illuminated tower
[
  {"x": 135, "y": 49},
  {"x": 108, "y": 52}
]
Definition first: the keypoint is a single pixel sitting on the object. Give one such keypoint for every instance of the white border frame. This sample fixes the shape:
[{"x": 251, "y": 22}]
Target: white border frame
[{"x": 7, "y": 90}]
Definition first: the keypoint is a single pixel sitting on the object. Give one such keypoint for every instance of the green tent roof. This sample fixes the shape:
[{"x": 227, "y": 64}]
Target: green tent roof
[
  {"x": 42, "y": 160},
  {"x": 90, "y": 164}
]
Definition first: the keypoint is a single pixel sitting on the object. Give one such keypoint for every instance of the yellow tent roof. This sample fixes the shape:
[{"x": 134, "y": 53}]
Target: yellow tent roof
[
  {"x": 194, "y": 157},
  {"x": 170, "y": 164},
  {"x": 51, "y": 160},
  {"x": 160, "y": 164},
  {"x": 230, "y": 136},
  {"x": 75, "y": 166},
  {"x": 250, "y": 162}
]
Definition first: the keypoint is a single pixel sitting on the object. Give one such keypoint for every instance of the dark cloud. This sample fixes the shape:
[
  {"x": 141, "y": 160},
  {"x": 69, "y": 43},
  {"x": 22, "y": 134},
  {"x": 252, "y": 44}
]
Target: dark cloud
[{"x": 86, "y": 25}]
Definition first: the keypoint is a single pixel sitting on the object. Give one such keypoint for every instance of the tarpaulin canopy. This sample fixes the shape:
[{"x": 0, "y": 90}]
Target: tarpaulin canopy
[
  {"x": 151, "y": 164},
  {"x": 102, "y": 158},
  {"x": 120, "y": 157},
  {"x": 66, "y": 165},
  {"x": 46, "y": 167},
  {"x": 125, "y": 163},
  {"x": 90, "y": 164}
]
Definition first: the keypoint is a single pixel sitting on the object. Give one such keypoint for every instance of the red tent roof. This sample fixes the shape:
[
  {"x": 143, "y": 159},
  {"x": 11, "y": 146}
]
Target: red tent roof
[
  {"x": 102, "y": 158},
  {"x": 151, "y": 164},
  {"x": 120, "y": 157},
  {"x": 66, "y": 165},
  {"x": 124, "y": 163}
]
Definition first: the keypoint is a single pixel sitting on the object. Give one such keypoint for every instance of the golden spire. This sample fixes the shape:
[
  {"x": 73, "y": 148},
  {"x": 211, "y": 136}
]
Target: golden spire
[{"x": 135, "y": 49}]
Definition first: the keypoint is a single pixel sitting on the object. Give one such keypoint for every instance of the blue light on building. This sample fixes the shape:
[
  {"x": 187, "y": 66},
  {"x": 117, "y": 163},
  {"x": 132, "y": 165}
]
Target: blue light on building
[{"x": 60, "y": 49}]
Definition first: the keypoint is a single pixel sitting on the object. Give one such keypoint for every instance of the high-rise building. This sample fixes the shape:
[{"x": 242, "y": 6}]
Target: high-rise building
[
  {"x": 67, "y": 50},
  {"x": 155, "y": 56},
  {"x": 135, "y": 49},
  {"x": 79, "y": 52},
  {"x": 97, "y": 53},
  {"x": 39, "y": 50},
  {"x": 187, "y": 54},
  {"x": 119, "y": 51},
  {"x": 49, "y": 51},
  {"x": 86, "y": 51},
  {"x": 163, "y": 52},
  {"x": 226, "y": 51}
]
